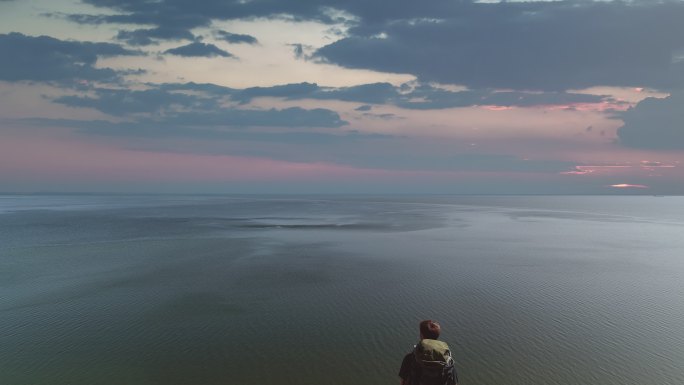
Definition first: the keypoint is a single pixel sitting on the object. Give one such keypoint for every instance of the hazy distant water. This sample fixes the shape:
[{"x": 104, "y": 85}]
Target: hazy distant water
[{"x": 329, "y": 290}]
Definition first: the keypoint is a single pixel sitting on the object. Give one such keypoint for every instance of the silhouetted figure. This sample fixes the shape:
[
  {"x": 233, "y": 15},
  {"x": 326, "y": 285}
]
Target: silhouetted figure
[{"x": 430, "y": 362}]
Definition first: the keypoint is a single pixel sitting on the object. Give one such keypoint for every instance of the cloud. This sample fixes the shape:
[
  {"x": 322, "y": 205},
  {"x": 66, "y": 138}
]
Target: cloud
[
  {"x": 193, "y": 104},
  {"x": 374, "y": 93},
  {"x": 295, "y": 117},
  {"x": 543, "y": 46},
  {"x": 236, "y": 38},
  {"x": 120, "y": 102},
  {"x": 420, "y": 96},
  {"x": 377, "y": 93},
  {"x": 198, "y": 49},
  {"x": 189, "y": 14},
  {"x": 656, "y": 124},
  {"x": 208, "y": 88},
  {"x": 298, "y": 50},
  {"x": 192, "y": 14},
  {"x": 46, "y": 59},
  {"x": 428, "y": 97},
  {"x": 288, "y": 117},
  {"x": 210, "y": 128},
  {"x": 183, "y": 16},
  {"x": 157, "y": 107},
  {"x": 385, "y": 116},
  {"x": 141, "y": 37},
  {"x": 290, "y": 91},
  {"x": 628, "y": 186}
]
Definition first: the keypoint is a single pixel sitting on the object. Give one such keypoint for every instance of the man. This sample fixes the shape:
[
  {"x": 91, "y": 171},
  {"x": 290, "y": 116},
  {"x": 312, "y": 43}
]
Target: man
[{"x": 430, "y": 362}]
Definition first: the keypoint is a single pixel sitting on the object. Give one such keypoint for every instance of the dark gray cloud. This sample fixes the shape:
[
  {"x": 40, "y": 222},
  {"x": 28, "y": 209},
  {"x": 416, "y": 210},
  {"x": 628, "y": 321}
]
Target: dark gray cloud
[
  {"x": 422, "y": 96},
  {"x": 209, "y": 88},
  {"x": 298, "y": 50},
  {"x": 288, "y": 117},
  {"x": 140, "y": 37},
  {"x": 160, "y": 129},
  {"x": 373, "y": 93},
  {"x": 385, "y": 116},
  {"x": 236, "y": 38},
  {"x": 654, "y": 124},
  {"x": 198, "y": 49},
  {"x": 428, "y": 97},
  {"x": 289, "y": 91},
  {"x": 46, "y": 59},
  {"x": 186, "y": 15},
  {"x": 378, "y": 93},
  {"x": 171, "y": 108},
  {"x": 520, "y": 45},
  {"x": 163, "y": 14},
  {"x": 120, "y": 102},
  {"x": 191, "y": 14},
  {"x": 546, "y": 46},
  {"x": 192, "y": 104}
]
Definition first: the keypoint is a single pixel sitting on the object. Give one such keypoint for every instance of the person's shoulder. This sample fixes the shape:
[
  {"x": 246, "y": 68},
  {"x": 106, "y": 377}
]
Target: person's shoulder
[
  {"x": 409, "y": 356},
  {"x": 406, "y": 366}
]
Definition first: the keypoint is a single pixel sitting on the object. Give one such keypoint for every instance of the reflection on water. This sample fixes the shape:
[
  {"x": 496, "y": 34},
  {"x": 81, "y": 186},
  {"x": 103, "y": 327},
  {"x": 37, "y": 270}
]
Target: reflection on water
[{"x": 322, "y": 290}]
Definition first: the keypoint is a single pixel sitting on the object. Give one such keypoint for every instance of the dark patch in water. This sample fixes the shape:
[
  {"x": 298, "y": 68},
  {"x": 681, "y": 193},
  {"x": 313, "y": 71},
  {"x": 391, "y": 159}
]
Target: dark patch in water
[{"x": 323, "y": 226}]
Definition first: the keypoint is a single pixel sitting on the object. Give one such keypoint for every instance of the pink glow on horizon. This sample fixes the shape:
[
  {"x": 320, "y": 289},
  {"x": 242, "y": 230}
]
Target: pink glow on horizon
[
  {"x": 59, "y": 160},
  {"x": 69, "y": 160}
]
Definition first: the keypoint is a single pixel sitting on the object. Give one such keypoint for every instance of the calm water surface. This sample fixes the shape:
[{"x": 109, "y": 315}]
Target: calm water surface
[{"x": 329, "y": 290}]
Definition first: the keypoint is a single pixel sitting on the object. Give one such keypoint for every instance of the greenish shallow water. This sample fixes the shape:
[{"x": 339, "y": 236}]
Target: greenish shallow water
[{"x": 329, "y": 290}]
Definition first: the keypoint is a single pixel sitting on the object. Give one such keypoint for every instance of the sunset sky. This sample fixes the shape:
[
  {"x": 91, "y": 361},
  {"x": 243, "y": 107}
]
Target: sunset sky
[{"x": 342, "y": 96}]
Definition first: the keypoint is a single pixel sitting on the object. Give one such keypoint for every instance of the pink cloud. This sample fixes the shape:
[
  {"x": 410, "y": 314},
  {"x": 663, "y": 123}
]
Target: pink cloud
[
  {"x": 644, "y": 165},
  {"x": 496, "y": 108},
  {"x": 648, "y": 164},
  {"x": 627, "y": 186},
  {"x": 586, "y": 170}
]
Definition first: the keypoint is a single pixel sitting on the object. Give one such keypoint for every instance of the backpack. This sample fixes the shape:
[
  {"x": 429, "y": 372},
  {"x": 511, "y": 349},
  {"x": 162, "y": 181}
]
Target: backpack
[{"x": 432, "y": 364}]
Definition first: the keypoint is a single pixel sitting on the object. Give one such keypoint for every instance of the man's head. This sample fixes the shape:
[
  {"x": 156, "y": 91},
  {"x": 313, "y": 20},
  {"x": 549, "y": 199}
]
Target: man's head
[{"x": 430, "y": 329}]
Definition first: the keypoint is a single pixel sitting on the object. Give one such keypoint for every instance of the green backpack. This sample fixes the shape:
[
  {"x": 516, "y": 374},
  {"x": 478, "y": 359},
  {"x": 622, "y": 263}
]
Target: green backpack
[{"x": 433, "y": 364}]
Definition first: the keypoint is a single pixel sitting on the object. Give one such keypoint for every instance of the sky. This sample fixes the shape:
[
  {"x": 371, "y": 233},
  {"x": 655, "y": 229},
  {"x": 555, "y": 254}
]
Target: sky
[{"x": 342, "y": 96}]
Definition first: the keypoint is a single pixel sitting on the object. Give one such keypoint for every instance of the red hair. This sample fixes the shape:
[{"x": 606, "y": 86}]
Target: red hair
[{"x": 430, "y": 329}]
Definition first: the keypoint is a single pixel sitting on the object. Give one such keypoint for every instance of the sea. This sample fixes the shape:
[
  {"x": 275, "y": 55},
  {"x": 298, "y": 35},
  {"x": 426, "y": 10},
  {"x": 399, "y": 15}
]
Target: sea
[{"x": 325, "y": 290}]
